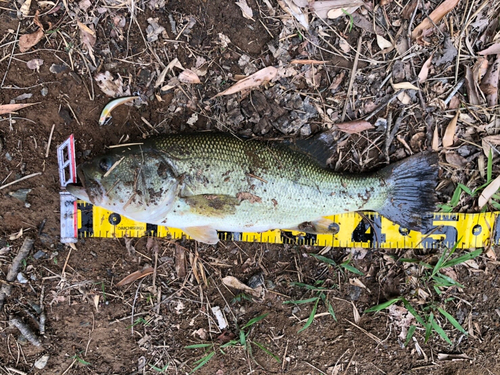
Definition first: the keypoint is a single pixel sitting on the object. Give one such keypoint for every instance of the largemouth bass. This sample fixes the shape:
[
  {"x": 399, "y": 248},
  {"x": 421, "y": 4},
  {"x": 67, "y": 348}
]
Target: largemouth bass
[{"x": 205, "y": 182}]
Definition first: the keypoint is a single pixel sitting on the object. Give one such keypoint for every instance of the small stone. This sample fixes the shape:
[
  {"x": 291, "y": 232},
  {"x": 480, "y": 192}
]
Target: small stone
[
  {"x": 21, "y": 278},
  {"x": 270, "y": 285},
  {"x": 40, "y": 254},
  {"x": 44, "y": 91},
  {"x": 42, "y": 361},
  {"x": 255, "y": 281},
  {"x": 8, "y": 156}
]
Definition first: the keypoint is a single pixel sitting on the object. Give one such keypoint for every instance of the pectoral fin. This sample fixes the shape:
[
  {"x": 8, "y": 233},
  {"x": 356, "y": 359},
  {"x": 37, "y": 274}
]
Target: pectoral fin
[
  {"x": 319, "y": 226},
  {"x": 204, "y": 234}
]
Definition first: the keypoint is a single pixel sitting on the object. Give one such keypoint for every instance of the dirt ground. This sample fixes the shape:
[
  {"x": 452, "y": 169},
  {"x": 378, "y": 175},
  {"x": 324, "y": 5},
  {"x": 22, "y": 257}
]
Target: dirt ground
[{"x": 94, "y": 326}]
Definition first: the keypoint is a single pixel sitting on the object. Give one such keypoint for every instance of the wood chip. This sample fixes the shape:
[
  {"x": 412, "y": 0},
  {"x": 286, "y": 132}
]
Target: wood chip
[
  {"x": 135, "y": 276},
  {"x": 11, "y": 108},
  {"x": 233, "y": 282},
  {"x": 436, "y": 16},
  {"x": 424, "y": 72},
  {"x": 354, "y": 127},
  {"x": 487, "y": 193},
  {"x": 449, "y": 134},
  {"x": 260, "y": 77}
]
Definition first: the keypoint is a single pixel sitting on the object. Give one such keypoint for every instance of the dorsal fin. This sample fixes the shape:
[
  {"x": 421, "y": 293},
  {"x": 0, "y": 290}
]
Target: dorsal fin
[{"x": 319, "y": 147}]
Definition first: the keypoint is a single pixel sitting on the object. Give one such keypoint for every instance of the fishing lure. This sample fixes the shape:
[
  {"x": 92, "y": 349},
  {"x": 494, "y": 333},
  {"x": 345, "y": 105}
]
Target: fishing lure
[{"x": 106, "y": 112}]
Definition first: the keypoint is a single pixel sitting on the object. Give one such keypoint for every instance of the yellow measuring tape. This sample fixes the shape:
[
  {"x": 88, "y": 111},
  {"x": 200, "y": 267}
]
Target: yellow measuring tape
[{"x": 369, "y": 230}]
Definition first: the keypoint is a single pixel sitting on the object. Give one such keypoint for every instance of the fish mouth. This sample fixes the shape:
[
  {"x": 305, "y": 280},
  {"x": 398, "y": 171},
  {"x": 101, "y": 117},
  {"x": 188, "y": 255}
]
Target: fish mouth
[{"x": 79, "y": 190}]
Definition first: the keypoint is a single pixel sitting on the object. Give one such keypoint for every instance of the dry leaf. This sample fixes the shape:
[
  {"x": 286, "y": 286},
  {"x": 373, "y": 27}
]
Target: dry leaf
[
  {"x": 455, "y": 159},
  {"x": 25, "y": 8},
  {"x": 383, "y": 43},
  {"x": 88, "y": 38},
  {"x": 10, "y": 108},
  {"x": 471, "y": 86},
  {"x": 84, "y": 5},
  {"x": 312, "y": 62},
  {"x": 188, "y": 76},
  {"x": 336, "y": 13},
  {"x": 233, "y": 282},
  {"x": 245, "y": 9},
  {"x": 442, "y": 10},
  {"x": 435, "y": 140},
  {"x": 258, "y": 78},
  {"x": 96, "y": 301},
  {"x": 404, "y": 86},
  {"x": 17, "y": 235},
  {"x": 344, "y": 45},
  {"x": 424, "y": 72},
  {"x": 449, "y": 134},
  {"x": 180, "y": 261},
  {"x": 489, "y": 84},
  {"x": 27, "y": 41},
  {"x": 491, "y": 50},
  {"x": 487, "y": 193},
  {"x": 404, "y": 97},
  {"x": 487, "y": 142},
  {"x": 480, "y": 68},
  {"x": 161, "y": 78},
  {"x": 331, "y": 8},
  {"x": 110, "y": 86},
  {"x": 354, "y": 127},
  {"x": 34, "y": 64},
  {"x": 355, "y": 312},
  {"x": 292, "y": 9},
  {"x": 135, "y": 276}
]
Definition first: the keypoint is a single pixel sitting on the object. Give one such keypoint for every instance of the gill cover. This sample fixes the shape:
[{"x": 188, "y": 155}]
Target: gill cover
[{"x": 139, "y": 184}]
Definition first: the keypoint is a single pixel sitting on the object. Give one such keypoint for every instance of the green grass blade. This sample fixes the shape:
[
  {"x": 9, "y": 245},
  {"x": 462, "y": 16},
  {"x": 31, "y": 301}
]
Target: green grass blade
[
  {"x": 265, "y": 350},
  {"x": 352, "y": 269},
  {"x": 203, "y": 362},
  {"x": 441, "y": 331},
  {"x": 428, "y": 327},
  {"x": 452, "y": 320},
  {"x": 311, "y": 317},
  {"x": 489, "y": 170},
  {"x": 301, "y": 301},
  {"x": 413, "y": 312},
  {"x": 307, "y": 286},
  {"x": 326, "y": 260},
  {"x": 408, "y": 260},
  {"x": 455, "y": 199},
  {"x": 383, "y": 306},
  {"x": 351, "y": 18},
  {"x": 443, "y": 280},
  {"x": 243, "y": 338},
  {"x": 445, "y": 208},
  {"x": 330, "y": 310},
  {"x": 254, "y": 320},
  {"x": 466, "y": 189},
  {"x": 196, "y": 346},
  {"x": 462, "y": 258},
  {"x": 410, "y": 334},
  {"x": 230, "y": 343}
]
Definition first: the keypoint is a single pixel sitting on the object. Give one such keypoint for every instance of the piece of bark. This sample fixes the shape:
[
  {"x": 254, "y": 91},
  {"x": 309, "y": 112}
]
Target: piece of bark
[{"x": 6, "y": 289}]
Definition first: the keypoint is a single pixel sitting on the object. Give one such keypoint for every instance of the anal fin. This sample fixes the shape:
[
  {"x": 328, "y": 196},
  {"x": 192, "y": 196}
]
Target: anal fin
[
  {"x": 318, "y": 226},
  {"x": 205, "y": 234}
]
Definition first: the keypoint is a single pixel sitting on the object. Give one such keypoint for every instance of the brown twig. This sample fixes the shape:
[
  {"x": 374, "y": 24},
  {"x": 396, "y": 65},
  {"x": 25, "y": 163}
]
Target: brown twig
[
  {"x": 353, "y": 76},
  {"x": 25, "y": 330},
  {"x": 6, "y": 289},
  {"x": 20, "y": 179}
]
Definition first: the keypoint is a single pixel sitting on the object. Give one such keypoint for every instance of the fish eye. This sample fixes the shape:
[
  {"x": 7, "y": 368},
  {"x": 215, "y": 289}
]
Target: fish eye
[{"x": 105, "y": 164}]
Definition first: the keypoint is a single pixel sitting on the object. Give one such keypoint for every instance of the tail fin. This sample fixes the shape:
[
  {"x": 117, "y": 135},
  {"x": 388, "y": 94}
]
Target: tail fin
[{"x": 412, "y": 191}]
